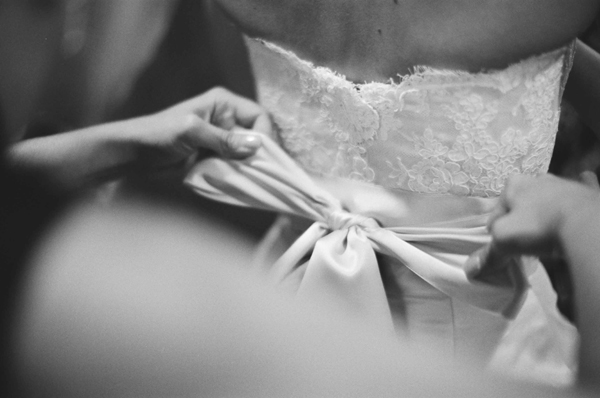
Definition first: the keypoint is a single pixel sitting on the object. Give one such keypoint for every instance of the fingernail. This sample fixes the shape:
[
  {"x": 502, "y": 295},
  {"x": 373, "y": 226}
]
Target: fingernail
[
  {"x": 251, "y": 140},
  {"x": 472, "y": 266},
  {"x": 247, "y": 143}
]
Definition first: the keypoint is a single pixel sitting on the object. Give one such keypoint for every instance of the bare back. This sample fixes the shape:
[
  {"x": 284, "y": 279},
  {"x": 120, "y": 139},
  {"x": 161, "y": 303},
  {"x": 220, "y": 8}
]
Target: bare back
[{"x": 379, "y": 39}]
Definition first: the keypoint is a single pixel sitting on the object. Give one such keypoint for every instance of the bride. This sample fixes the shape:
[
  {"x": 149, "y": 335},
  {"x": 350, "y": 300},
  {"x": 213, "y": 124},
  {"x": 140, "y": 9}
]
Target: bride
[{"x": 409, "y": 116}]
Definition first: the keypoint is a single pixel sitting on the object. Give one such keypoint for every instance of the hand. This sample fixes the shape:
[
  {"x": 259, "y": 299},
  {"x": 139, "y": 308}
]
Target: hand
[
  {"x": 209, "y": 121},
  {"x": 529, "y": 218},
  {"x": 212, "y": 121}
]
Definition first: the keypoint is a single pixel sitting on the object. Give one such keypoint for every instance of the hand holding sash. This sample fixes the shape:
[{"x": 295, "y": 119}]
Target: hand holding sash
[{"x": 342, "y": 270}]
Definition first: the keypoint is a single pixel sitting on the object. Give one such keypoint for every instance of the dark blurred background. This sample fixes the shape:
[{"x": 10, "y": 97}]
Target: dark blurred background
[{"x": 83, "y": 62}]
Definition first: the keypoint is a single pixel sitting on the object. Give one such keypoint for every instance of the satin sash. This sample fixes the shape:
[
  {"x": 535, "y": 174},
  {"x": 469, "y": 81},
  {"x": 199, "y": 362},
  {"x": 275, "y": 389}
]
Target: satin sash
[{"x": 343, "y": 268}]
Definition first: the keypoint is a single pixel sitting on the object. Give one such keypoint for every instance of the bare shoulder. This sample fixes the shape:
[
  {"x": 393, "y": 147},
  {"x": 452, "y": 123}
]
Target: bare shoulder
[
  {"x": 492, "y": 33},
  {"x": 380, "y": 38},
  {"x": 265, "y": 17}
]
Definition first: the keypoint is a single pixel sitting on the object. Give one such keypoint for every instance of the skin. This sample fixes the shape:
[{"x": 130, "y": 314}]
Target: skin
[
  {"x": 164, "y": 140},
  {"x": 379, "y": 39},
  {"x": 546, "y": 214}
]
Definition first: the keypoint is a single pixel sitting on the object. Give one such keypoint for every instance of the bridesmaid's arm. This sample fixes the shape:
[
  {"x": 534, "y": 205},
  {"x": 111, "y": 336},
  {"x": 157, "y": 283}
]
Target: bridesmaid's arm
[
  {"x": 150, "y": 143},
  {"x": 537, "y": 215},
  {"x": 580, "y": 235}
]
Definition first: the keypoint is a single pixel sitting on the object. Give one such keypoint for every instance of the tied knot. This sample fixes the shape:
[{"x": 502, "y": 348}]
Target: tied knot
[{"x": 341, "y": 219}]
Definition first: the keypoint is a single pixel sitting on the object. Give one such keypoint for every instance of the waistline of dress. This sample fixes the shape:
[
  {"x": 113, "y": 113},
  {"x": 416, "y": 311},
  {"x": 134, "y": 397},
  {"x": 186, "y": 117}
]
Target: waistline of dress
[{"x": 401, "y": 208}]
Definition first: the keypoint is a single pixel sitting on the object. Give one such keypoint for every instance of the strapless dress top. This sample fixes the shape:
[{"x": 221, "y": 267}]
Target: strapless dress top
[{"x": 435, "y": 131}]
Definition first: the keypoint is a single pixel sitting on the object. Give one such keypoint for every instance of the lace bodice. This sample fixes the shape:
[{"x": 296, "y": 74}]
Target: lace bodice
[{"x": 436, "y": 131}]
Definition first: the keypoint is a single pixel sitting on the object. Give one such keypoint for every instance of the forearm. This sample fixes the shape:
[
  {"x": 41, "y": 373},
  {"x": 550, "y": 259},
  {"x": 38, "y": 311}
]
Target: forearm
[
  {"x": 77, "y": 158},
  {"x": 160, "y": 141},
  {"x": 580, "y": 238}
]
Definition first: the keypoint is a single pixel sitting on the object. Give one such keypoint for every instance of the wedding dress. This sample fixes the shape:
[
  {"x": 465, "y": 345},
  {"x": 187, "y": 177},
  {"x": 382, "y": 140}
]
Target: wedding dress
[{"x": 400, "y": 178}]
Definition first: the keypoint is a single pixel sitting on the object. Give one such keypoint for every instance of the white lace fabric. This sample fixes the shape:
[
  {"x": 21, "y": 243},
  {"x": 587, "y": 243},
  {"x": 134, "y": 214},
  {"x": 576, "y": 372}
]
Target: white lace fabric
[{"x": 435, "y": 132}]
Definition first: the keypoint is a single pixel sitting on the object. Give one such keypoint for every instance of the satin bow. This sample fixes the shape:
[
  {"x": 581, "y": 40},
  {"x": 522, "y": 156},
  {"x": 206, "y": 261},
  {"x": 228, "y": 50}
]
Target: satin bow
[{"x": 342, "y": 270}]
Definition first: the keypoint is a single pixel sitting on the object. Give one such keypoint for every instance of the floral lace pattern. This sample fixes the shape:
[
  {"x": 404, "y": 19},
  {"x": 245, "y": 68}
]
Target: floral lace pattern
[{"x": 435, "y": 132}]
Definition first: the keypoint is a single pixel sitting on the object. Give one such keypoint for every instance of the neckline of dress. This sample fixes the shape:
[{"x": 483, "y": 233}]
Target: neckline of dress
[{"x": 418, "y": 72}]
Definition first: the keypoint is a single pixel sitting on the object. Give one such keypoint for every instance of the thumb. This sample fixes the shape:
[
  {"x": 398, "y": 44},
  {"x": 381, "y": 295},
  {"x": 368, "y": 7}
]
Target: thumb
[
  {"x": 590, "y": 179},
  {"x": 516, "y": 234},
  {"x": 484, "y": 261},
  {"x": 236, "y": 143}
]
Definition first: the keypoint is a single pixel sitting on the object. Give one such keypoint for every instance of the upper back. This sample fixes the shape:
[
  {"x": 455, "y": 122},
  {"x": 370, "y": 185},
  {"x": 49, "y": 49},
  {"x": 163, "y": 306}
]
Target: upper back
[{"x": 378, "y": 39}]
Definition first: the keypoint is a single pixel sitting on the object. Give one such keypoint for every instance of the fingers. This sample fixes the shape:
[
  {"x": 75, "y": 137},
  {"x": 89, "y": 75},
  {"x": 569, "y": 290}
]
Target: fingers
[
  {"x": 237, "y": 144},
  {"x": 511, "y": 234},
  {"x": 590, "y": 179},
  {"x": 504, "y": 226},
  {"x": 263, "y": 125},
  {"x": 224, "y": 119},
  {"x": 514, "y": 185},
  {"x": 487, "y": 260},
  {"x": 227, "y": 143},
  {"x": 230, "y": 110},
  {"x": 525, "y": 220},
  {"x": 214, "y": 119},
  {"x": 476, "y": 262},
  {"x": 493, "y": 255},
  {"x": 499, "y": 211}
]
